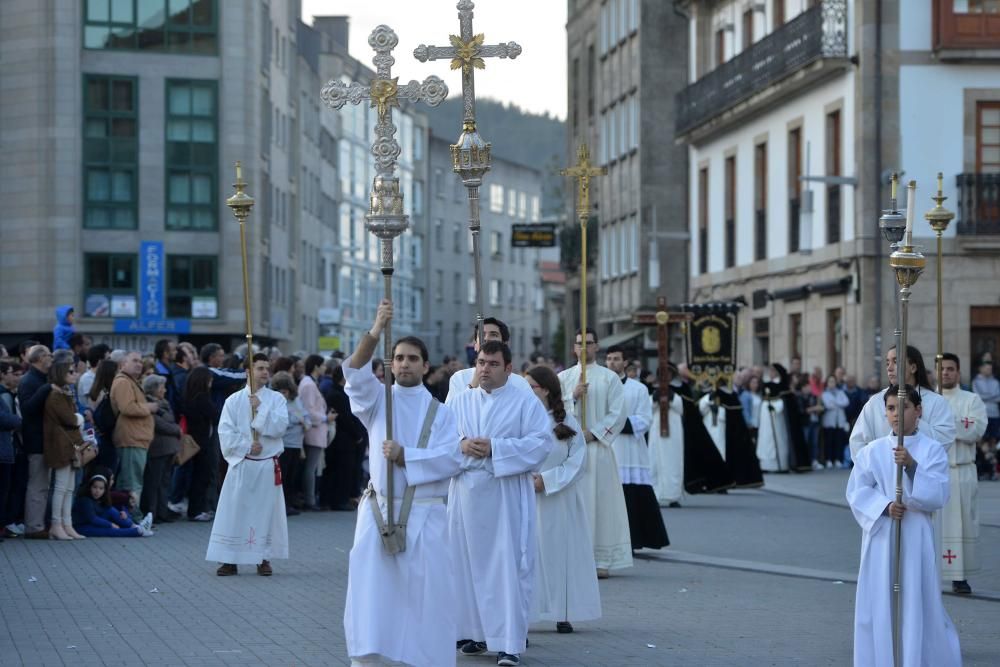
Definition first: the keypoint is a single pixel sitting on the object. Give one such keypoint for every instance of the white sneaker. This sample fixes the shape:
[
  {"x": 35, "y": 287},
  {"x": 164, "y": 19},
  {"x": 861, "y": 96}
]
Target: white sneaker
[
  {"x": 16, "y": 528},
  {"x": 145, "y": 532},
  {"x": 829, "y": 465},
  {"x": 204, "y": 516},
  {"x": 147, "y": 522},
  {"x": 817, "y": 465},
  {"x": 179, "y": 508}
]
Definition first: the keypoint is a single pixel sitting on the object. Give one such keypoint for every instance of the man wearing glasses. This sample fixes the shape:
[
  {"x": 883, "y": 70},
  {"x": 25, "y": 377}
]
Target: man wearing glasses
[
  {"x": 491, "y": 507},
  {"x": 602, "y": 488}
]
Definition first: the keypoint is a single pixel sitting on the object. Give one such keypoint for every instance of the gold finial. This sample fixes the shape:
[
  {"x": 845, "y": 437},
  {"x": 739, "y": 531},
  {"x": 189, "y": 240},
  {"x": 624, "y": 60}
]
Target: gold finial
[
  {"x": 939, "y": 216},
  {"x": 241, "y": 202}
]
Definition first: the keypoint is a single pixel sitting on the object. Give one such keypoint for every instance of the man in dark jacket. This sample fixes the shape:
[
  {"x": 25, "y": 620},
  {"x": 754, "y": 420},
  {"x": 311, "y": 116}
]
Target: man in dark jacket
[
  {"x": 32, "y": 392},
  {"x": 342, "y": 477}
]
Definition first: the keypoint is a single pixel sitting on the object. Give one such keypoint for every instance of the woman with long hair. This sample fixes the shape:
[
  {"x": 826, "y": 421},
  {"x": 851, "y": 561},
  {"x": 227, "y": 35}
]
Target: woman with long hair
[
  {"x": 566, "y": 588},
  {"x": 60, "y": 439},
  {"x": 99, "y": 401}
]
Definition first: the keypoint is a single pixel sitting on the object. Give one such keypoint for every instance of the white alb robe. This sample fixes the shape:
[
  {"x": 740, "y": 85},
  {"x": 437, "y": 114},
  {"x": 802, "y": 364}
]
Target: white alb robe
[
  {"x": 250, "y": 524},
  {"x": 491, "y": 515},
  {"x": 959, "y": 519},
  {"x": 566, "y": 583},
  {"x": 601, "y": 484},
  {"x": 772, "y": 436},
  {"x": 631, "y": 450},
  {"x": 936, "y": 420},
  {"x": 459, "y": 383},
  {"x": 666, "y": 453},
  {"x": 715, "y": 424},
  {"x": 928, "y": 635},
  {"x": 416, "y": 585}
]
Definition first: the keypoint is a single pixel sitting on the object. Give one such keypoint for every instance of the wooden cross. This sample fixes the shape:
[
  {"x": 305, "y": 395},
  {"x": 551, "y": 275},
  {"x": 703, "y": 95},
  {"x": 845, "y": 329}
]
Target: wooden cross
[
  {"x": 468, "y": 52},
  {"x": 661, "y": 318}
]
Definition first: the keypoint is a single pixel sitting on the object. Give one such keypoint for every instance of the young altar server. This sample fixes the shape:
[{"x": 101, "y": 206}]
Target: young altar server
[
  {"x": 928, "y": 636},
  {"x": 250, "y": 525},
  {"x": 566, "y": 584},
  {"x": 413, "y": 587},
  {"x": 491, "y": 508}
]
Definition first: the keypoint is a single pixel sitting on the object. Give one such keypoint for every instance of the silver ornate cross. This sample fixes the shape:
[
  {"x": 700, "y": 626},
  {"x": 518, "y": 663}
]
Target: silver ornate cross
[{"x": 385, "y": 218}]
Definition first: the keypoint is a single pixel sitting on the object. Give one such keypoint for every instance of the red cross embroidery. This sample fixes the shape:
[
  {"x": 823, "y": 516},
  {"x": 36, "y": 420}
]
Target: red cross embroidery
[
  {"x": 968, "y": 422},
  {"x": 607, "y": 432},
  {"x": 949, "y": 556},
  {"x": 252, "y": 540}
]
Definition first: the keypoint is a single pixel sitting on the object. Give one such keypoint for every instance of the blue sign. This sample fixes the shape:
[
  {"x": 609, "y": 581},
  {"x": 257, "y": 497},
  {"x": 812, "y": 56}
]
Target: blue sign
[
  {"x": 151, "y": 270},
  {"x": 144, "y": 325}
]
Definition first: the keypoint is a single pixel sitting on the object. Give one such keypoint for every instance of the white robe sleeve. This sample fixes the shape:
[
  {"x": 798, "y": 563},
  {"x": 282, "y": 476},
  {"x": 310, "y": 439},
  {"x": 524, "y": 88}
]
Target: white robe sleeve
[
  {"x": 442, "y": 458},
  {"x": 561, "y": 476},
  {"x": 365, "y": 392},
  {"x": 272, "y": 415},
  {"x": 516, "y": 456},
  {"x": 608, "y": 428},
  {"x": 928, "y": 490},
  {"x": 867, "y": 500},
  {"x": 643, "y": 417},
  {"x": 937, "y": 421},
  {"x": 973, "y": 428},
  {"x": 233, "y": 442}
]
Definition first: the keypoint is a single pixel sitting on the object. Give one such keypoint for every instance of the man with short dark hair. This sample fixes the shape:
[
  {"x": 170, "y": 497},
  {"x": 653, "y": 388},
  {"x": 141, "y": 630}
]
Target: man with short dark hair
[
  {"x": 467, "y": 378},
  {"x": 164, "y": 353},
  {"x": 224, "y": 381},
  {"x": 32, "y": 392},
  {"x": 80, "y": 345},
  {"x": 959, "y": 521},
  {"x": 250, "y": 524},
  {"x": 491, "y": 507}
]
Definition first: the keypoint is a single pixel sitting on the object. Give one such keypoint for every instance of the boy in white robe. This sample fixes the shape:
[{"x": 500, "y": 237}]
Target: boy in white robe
[
  {"x": 417, "y": 583},
  {"x": 250, "y": 525},
  {"x": 491, "y": 508},
  {"x": 928, "y": 636}
]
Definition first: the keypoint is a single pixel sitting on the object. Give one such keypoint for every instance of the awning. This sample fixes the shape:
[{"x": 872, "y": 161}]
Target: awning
[{"x": 619, "y": 338}]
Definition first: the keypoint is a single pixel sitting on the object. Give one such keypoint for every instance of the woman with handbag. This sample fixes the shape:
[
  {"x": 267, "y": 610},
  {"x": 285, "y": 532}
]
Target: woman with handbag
[
  {"x": 162, "y": 451},
  {"x": 62, "y": 445}
]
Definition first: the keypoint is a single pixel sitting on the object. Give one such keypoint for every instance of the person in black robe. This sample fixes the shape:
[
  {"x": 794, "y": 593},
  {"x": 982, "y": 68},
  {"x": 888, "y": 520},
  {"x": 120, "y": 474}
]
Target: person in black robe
[
  {"x": 798, "y": 448},
  {"x": 741, "y": 457},
  {"x": 705, "y": 470},
  {"x": 341, "y": 484}
]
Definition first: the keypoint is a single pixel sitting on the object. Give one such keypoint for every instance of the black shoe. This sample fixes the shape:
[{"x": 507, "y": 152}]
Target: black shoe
[
  {"x": 564, "y": 627},
  {"x": 674, "y": 504},
  {"x": 344, "y": 507},
  {"x": 961, "y": 587},
  {"x": 509, "y": 659},
  {"x": 473, "y": 648},
  {"x": 226, "y": 570},
  {"x": 460, "y": 643},
  {"x": 291, "y": 511}
]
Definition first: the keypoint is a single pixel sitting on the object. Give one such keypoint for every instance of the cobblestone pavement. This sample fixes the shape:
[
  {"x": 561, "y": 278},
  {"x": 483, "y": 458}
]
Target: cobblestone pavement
[{"x": 751, "y": 578}]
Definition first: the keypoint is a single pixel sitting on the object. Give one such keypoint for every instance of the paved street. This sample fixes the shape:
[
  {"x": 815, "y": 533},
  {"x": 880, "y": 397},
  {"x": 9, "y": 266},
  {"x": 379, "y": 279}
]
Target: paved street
[{"x": 752, "y": 578}]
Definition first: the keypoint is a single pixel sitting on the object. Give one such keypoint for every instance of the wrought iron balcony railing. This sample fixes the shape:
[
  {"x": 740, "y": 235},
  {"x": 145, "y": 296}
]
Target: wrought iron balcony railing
[
  {"x": 818, "y": 33},
  {"x": 978, "y": 203}
]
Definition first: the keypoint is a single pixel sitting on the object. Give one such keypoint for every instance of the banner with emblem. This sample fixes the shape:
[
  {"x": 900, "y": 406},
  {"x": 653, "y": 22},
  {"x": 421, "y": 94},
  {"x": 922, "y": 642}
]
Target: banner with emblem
[{"x": 711, "y": 343}]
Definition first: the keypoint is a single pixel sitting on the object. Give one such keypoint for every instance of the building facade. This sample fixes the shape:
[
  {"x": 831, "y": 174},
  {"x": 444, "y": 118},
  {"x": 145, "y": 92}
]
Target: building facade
[
  {"x": 510, "y": 194},
  {"x": 795, "y": 114},
  {"x": 121, "y": 123},
  {"x": 627, "y": 58}
]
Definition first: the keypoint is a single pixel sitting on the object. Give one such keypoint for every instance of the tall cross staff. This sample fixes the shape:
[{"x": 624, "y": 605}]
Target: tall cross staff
[
  {"x": 241, "y": 203},
  {"x": 661, "y": 318},
  {"x": 386, "y": 219},
  {"x": 583, "y": 171},
  {"x": 471, "y": 154}
]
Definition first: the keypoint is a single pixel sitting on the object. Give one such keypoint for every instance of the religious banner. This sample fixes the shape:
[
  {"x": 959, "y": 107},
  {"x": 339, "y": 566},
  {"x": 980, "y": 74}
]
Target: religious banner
[{"x": 711, "y": 343}]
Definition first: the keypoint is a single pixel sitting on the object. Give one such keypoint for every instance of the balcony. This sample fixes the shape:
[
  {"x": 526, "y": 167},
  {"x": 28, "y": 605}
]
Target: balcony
[
  {"x": 813, "y": 46},
  {"x": 978, "y": 204}
]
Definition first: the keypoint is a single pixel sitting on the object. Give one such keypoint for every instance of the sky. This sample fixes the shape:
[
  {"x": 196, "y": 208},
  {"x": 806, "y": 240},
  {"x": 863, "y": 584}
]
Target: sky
[{"x": 534, "y": 81}]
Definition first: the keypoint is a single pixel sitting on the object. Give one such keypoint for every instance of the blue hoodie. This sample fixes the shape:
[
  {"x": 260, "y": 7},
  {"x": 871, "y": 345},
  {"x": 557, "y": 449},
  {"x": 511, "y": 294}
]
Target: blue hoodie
[{"x": 63, "y": 330}]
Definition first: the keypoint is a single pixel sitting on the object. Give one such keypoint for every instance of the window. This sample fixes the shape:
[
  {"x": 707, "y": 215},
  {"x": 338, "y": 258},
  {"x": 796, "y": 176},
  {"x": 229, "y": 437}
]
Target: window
[
  {"x": 536, "y": 212},
  {"x": 439, "y": 183},
  {"x": 439, "y": 234},
  {"x": 591, "y": 76},
  {"x": 471, "y": 291},
  {"x": 192, "y": 286},
  {"x": 603, "y": 35},
  {"x": 833, "y": 221},
  {"x": 110, "y": 162},
  {"x": 777, "y": 14},
  {"x": 748, "y": 28},
  {"x": 439, "y": 285},
  {"x": 794, "y": 187},
  {"x": 192, "y": 155},
  {"x": 634, "y": 245},
  {"x": 720, "y": 47},
  {"x": 834, "y": 339},
  {"x": 174, "y": 26},
  {"x": 457, "y": 237},
  {"x": 575, "y": 88},
  {"x": 761, "y": 341},
  {"x": 496, "y": 292},
  {"x": 966, "y": 24},
  {"x": 760, "y": 201},
  {"x": 730, "y": 222},
  {"x": 512, "y": 202},
  {"x": 703, "y": 220},
  {"x": 604, "y": 250},
  {"x": 795, "y": 335},
  {"x": 496, "y": 198},
  {"x": 522, "y": 205},
  {"x": 988, "y": 137},
  {"x": 457, "y": 283},
  {"x": 109, "y": 283},
  {"x": 496, "y": 243}
]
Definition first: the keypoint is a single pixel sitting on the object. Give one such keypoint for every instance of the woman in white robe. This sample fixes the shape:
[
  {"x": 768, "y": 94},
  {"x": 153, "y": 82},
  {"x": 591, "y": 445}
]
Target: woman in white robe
[{"x": 566, "y": 584}]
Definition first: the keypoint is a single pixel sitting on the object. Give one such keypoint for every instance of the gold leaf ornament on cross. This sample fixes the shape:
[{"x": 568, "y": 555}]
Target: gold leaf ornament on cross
[
  {"x": 383, "y": 95},
  {"x": 467, "y": 53}
]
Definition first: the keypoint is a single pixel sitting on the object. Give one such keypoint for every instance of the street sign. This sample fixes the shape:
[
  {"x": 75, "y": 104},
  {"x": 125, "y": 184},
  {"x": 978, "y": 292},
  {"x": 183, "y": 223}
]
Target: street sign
[
  {"x": 329, "y": 343},
  {"x": 542, "y": 235},
  {"x": 144, "y": 325}
]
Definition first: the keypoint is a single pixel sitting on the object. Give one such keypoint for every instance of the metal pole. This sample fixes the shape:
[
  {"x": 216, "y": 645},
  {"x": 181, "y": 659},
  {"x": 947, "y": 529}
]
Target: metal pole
[
  {"x": 387, "y": 271},
  {"x": 474, "y": 228},
  {"x": 241, "y": 203},
  {"x": 583, "y": 307}
]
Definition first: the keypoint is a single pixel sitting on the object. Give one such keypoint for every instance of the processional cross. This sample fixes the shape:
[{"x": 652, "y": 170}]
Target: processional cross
[
  {"x": 661, "y": 318},
  {"x": 471, "y": 155},
  {"x": 386, "y": 219},
  {"x": 583, "y": 171}
]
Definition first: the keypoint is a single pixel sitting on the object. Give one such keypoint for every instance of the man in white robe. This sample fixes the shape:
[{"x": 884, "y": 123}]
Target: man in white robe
[
  {"x": 927, "y": 633},
  {"x": 959, "y": 518},
  {"x": 936, "y": 420},
  {"x": 666, "y": 453},
  {"x": 250, "y": 525},
  {"x": 491, "y": 508},
  {"x": 601, "y": 483},
  {"x": 414, "y": 587},
  {"x": 466, "y": 379}
]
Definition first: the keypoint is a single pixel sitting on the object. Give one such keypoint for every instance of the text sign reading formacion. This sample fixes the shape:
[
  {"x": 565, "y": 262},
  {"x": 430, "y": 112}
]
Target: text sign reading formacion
[
  {"x": 151, "y": 274},
  {"x": 533, "y": 236}
]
